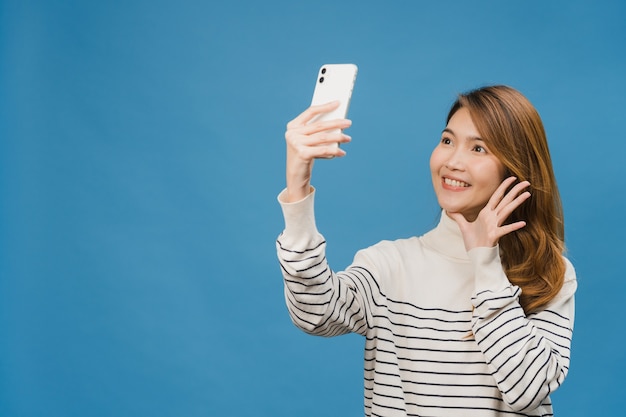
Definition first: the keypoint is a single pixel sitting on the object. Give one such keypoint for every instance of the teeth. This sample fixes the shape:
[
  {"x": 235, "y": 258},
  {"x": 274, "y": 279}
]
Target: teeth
[{"x": 455, "y": 183}]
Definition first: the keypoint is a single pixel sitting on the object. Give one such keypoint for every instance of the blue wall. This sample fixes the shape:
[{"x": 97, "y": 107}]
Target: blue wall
[{"x": 141, "y": 152}]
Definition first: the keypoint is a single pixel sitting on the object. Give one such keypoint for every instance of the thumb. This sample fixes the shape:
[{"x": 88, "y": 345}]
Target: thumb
[{"x": 458, "y": 218}]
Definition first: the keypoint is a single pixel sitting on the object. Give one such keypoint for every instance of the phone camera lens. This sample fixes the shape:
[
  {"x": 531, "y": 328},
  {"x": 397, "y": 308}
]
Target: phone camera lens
[
  {"x": 323, "y": 70},
  {"x": 321, "y": 79}
]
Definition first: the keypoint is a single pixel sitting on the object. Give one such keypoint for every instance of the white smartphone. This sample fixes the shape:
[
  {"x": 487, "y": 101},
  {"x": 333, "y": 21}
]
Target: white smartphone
[{"x": 334, "y": 82}]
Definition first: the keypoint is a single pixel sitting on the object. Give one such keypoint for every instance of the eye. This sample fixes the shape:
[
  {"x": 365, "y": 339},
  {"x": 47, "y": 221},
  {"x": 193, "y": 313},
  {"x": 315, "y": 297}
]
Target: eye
[
  {"x": 479, "y": 148},
  {"x": 446, "y": 140}
]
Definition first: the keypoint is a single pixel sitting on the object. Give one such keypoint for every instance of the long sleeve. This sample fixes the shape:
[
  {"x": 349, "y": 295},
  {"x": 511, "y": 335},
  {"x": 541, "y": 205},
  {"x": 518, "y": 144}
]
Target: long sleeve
[
  {"x": 319, "y": 301},
  {"x": 418, "y": 301},
  {"x": 529, "y": 356}
]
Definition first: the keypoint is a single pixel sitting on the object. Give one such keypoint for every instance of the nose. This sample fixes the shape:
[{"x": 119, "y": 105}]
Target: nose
[{"x": 455, "y": 161}]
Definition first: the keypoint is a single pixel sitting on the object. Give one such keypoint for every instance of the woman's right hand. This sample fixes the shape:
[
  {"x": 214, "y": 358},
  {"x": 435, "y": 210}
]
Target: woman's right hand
[{"x": 307, "y": 142}]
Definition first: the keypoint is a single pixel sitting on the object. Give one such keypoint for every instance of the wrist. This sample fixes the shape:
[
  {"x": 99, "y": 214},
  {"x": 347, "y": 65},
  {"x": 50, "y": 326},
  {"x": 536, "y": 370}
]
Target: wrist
[{"x": 294, "y": 194}]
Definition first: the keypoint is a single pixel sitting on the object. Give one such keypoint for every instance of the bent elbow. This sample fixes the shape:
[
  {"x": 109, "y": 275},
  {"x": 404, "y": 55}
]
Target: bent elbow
[
  {"x": 535, "y": 395},
  {"x": 523, "y": 404}
]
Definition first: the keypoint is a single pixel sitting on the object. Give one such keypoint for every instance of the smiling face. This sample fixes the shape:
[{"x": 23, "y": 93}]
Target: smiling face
[{"x": 465, "y": 173}]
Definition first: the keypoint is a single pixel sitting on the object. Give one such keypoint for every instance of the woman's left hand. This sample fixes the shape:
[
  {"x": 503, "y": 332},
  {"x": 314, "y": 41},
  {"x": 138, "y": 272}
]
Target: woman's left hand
[{"x": 488, "y": 227}]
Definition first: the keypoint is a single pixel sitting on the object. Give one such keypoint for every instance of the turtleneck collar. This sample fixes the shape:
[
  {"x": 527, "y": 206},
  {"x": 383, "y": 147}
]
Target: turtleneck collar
[{"x": 446, "y": 239}]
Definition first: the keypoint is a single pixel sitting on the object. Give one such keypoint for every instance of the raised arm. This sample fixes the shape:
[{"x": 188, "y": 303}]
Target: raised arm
[
  {"x": 307, "y": 142},
  {"x": 319, "y": 301}
]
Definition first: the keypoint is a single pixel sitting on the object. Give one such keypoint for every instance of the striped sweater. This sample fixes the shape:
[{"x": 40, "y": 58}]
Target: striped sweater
[{"x": 444, "y": 331}]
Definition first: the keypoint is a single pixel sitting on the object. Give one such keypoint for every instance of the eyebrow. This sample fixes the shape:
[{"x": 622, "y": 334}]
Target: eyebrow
[{"x": 472, "y": 138}]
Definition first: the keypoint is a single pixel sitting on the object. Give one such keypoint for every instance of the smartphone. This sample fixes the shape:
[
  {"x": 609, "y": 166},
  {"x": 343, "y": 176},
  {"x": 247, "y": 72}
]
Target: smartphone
[{"x": 334, "y": 82}]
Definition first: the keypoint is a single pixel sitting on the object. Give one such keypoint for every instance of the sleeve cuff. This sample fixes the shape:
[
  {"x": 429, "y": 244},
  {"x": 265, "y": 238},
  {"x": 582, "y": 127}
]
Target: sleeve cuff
[
  {"x": 490, "y": 275},
  {"x": 299, "y": 216}
]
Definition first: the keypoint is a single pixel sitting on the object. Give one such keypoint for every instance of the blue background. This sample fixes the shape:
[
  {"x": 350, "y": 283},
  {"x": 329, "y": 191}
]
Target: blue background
[{"x": 141, "y": 152}]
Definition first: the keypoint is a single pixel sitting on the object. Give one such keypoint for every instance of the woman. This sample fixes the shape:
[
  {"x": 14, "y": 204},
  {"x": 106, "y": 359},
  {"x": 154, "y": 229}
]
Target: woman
[{"x": 475, "y": 317}]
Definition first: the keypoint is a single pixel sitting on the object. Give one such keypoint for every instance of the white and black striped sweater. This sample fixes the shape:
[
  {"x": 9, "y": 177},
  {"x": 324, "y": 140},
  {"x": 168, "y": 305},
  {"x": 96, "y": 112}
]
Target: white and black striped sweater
[{"x": 444, "y": 332}]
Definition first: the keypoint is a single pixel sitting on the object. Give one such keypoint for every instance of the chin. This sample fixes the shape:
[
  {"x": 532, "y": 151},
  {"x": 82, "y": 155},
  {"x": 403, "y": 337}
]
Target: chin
[{"x": 451, "y": 208}]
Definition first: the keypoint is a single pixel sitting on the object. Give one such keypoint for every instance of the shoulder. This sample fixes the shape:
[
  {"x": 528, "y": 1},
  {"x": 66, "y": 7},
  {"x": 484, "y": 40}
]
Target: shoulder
[
  {"x": 570, "y": 284},
  {"x": 399, "y": 246},
  {"x": 570, "y": 271},
  {"x": 389, "y": 253}
]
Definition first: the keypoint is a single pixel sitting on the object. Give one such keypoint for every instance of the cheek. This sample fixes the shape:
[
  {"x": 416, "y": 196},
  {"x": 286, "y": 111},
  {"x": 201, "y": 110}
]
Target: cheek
[
  {"x": 435, "y": 161},
  {"x": 500, "y": 170},
  {"x": 493, "y": 175}
]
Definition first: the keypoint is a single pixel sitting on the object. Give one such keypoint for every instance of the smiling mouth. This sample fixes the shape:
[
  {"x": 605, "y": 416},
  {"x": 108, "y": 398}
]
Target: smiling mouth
[{"x": 455, "y": 183}]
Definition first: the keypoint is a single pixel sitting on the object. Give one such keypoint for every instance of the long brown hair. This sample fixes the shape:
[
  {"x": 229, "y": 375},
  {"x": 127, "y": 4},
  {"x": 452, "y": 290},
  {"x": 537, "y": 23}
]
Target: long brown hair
[{"x": 513, "y": 131}]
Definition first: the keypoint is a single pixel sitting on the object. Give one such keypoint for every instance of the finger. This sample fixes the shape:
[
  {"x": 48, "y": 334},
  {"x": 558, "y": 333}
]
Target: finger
[
  {"x": 318, "y": 139},
  {"x": 322, "y": 152},
  {"x": 320, "y": 126},
  {"x": 316, "y": 131},
  {"x": 510, "y": 207},
  {"x": 304, "y": 117},
  {"x": 513, "y": 199},
  {"x": 509, "y": 228},
  {"x": 498, "y": 194},
  {"x": 516, "y": 191},
  {"x": 503, "y": 211},
  {"x": 334, "y": 152}
]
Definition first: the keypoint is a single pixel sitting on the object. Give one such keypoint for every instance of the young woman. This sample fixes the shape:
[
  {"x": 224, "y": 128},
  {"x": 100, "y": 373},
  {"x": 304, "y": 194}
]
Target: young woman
[{"x": 475, "y": 317}]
